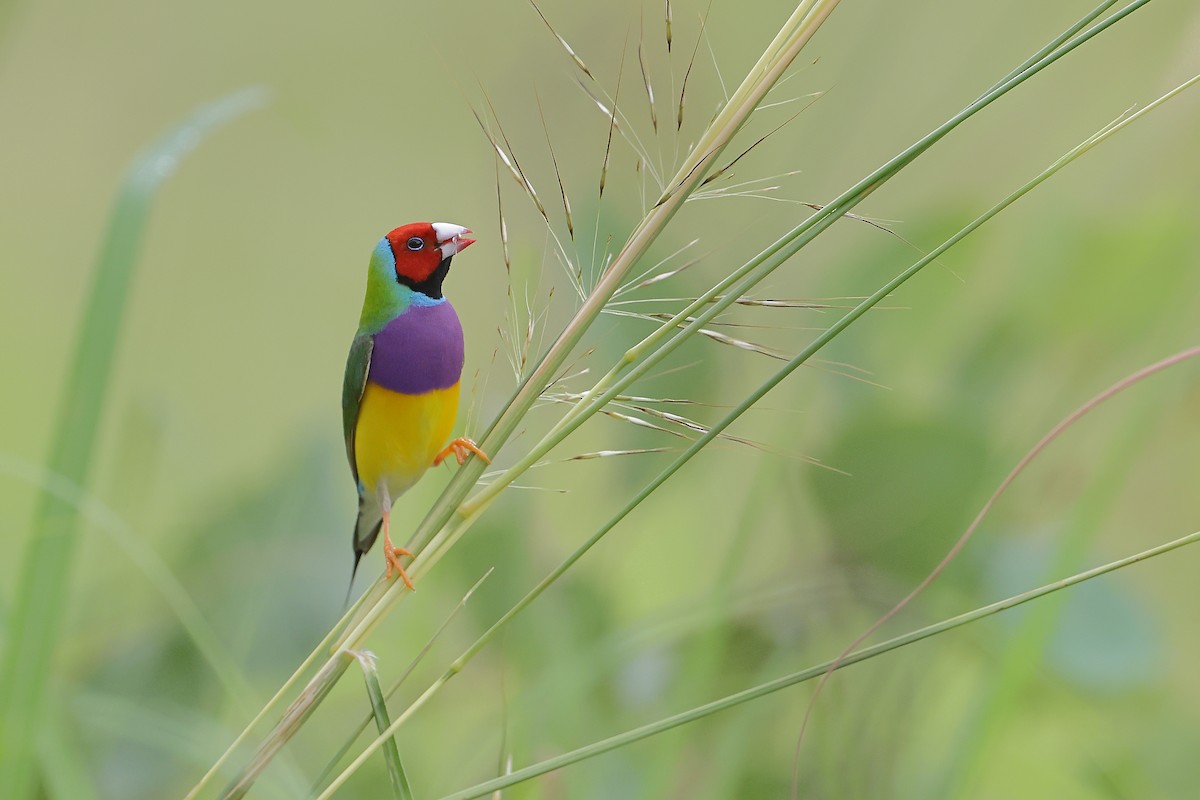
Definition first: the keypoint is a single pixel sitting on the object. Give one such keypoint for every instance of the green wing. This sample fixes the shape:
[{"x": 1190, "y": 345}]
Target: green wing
[{"x": 358, "y": 363}]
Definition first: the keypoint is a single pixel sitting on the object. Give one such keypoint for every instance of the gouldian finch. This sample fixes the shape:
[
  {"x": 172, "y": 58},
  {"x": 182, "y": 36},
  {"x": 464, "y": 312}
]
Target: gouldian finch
[{"x": 400, "y": 394}]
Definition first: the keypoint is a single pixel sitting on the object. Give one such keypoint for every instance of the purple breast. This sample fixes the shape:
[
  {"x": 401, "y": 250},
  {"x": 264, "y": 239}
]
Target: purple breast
[{"x": 419, "y": 351}]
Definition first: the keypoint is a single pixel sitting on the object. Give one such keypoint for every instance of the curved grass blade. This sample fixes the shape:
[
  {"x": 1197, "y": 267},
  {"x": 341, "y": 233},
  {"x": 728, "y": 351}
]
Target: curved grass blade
[
  {"x": 43, "y": 586},
  {"x": 1020, "y": 662}
]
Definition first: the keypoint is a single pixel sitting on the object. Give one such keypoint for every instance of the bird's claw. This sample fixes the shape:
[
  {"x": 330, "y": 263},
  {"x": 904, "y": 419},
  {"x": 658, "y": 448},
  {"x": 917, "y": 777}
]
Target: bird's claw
[
  {"x": 392, "y": 556},
  {"x": 460, "y": 448}
]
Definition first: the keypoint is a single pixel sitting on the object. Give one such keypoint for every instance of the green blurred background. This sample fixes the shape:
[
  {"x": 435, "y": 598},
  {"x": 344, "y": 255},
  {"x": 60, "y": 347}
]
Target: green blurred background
[{"x": 220, "y": 458}]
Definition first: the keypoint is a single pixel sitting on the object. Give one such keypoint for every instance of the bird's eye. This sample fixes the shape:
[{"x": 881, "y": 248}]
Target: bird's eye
[{"x": 416, "y": 243}]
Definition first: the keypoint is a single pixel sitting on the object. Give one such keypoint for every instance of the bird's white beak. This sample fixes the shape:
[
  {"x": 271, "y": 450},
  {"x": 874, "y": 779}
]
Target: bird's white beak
[{"x": 451, "y": 238}]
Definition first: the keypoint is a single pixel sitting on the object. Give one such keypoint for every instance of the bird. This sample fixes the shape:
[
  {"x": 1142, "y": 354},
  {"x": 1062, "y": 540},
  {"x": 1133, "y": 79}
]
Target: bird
[{"x": 401, "y": 387}]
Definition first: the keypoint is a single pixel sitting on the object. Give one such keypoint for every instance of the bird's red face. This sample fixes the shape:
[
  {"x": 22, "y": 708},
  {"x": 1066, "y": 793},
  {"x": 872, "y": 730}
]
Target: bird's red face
[{"x": 420, "y": 247}]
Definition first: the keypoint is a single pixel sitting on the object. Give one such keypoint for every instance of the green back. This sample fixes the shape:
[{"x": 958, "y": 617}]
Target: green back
[{"x": 358, "y": 363}]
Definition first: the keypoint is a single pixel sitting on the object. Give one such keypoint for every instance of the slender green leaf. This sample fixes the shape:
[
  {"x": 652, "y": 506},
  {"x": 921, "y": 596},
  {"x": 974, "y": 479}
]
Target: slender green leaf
[
  {"x": 391, "y": 752},
  {"x": 43, "y": 587}
]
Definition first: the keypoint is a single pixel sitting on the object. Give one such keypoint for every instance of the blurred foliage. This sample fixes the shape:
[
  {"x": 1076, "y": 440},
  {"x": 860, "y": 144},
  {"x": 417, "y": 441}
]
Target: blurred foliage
[{"x": 220, "y": 449}]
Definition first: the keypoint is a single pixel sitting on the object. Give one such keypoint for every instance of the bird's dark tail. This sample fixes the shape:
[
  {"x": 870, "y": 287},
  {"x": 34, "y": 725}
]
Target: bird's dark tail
[
  {"x": 358, "y": 554},
  {"x": 361, "y": 546}
]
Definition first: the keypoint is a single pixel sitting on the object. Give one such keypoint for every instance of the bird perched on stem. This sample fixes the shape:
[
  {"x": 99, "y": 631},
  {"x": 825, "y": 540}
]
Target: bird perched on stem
[{"x": 400, "y": 394}]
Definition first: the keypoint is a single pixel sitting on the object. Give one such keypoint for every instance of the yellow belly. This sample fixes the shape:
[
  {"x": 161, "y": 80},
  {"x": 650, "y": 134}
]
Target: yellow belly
[{"x": 398, "y": 435}]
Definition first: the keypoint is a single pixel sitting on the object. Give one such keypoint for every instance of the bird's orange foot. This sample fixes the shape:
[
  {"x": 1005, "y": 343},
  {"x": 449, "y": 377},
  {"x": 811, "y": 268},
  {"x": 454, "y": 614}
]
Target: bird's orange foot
[
  {"x": 459, "y": 448},
  {"x": 392, "y": 555}
]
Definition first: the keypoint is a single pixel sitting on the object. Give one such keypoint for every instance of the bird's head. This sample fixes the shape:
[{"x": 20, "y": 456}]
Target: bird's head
[{"x": 422, "y": 252}]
